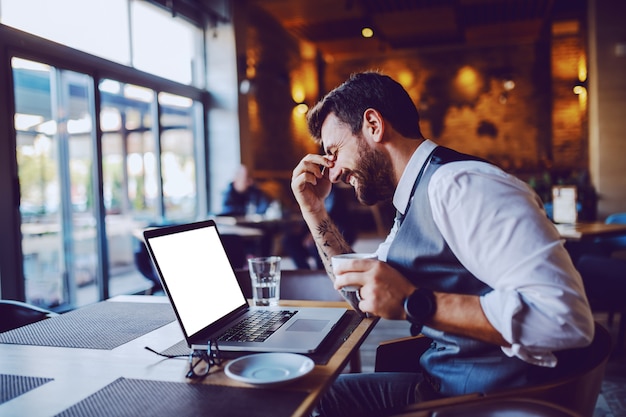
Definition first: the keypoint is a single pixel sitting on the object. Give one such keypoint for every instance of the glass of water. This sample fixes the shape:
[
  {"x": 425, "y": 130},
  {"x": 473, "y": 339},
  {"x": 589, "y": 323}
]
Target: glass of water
[{"x": 265, "y": 276}]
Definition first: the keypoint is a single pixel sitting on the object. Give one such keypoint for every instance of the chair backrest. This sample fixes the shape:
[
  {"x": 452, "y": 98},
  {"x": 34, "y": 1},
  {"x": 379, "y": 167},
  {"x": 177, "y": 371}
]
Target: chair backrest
[
  {"x": 616, "y": 218},
  {"x": 605, "y": 281},
  {"x": 14, "y": 314},
  {"x": 615, "y": 243},
  {"x": 301, "y": 284},
  {"x": 401, "y": 355},
  {"x": 576, "y": 387}
]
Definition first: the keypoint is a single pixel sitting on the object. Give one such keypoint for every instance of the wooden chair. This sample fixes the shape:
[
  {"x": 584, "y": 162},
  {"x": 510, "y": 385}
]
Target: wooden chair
[
  {"x": 576, "y": 387},
  {"x": 14, "y": 314}
]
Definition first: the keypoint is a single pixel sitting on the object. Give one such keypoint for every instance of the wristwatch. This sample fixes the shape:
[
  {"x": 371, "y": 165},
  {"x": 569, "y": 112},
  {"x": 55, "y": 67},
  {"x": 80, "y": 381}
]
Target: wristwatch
[{"x": 419, "y": 307}]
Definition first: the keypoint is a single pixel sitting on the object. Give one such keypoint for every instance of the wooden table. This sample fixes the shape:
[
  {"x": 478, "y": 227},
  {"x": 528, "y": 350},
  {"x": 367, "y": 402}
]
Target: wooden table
[
  {"x": 588, "y": 231},
  {"x": 580, "y": 238},
  {"x": 78, "y": 373}
]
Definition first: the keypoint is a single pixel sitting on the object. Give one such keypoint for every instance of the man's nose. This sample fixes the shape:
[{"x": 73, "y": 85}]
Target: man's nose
[{"x": 334, "y": 174}]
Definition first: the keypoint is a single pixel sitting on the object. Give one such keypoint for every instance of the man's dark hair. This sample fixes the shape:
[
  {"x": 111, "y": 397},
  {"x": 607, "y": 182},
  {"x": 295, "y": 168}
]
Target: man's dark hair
[{"x": 363, "y": 91}]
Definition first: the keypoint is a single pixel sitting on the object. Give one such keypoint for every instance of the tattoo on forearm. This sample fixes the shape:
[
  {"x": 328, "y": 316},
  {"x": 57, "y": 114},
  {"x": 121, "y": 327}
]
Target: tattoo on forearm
[
  {"x": 329, "y": 240},
  {"x": 324, "y": 227}
]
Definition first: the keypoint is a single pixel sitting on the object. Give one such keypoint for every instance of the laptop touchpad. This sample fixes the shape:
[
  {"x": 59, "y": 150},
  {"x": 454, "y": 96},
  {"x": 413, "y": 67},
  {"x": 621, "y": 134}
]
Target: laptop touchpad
[{"x": 308, "y": 325}]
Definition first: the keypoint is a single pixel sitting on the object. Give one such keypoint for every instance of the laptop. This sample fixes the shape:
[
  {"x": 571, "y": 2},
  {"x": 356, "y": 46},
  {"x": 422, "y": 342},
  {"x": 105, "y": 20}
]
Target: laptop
[{"x": 202, "y": 287}]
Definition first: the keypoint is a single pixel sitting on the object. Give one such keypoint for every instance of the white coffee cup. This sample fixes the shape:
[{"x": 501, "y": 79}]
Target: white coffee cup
[
  {"x": 338, "y": 259},
  {"x": 351, "y": 292}
]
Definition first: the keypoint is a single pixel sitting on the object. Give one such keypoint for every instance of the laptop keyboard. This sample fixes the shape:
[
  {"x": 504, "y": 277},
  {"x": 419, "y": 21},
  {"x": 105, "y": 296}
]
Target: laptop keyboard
[{"x": 257, "y": 327}]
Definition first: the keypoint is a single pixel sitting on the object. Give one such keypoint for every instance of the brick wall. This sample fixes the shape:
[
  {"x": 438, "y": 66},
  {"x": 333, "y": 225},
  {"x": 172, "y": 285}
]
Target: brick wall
[
  {"x": 536, "y": 126},
  {"x": 569, "y": 112}
]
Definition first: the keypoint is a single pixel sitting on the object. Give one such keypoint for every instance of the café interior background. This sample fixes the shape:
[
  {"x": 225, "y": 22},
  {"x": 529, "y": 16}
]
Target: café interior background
[
  {"x": 536, "y": 86},
  {"x": 510, "y": 81}
]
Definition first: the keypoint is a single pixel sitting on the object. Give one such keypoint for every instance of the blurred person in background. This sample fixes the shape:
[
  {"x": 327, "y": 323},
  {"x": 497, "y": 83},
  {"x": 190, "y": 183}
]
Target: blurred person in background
[{"x": 243, "y": 197}]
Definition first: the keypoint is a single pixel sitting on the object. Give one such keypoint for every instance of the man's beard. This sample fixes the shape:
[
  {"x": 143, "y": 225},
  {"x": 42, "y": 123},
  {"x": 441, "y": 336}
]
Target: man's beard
[{"x": 374, "y": 176}]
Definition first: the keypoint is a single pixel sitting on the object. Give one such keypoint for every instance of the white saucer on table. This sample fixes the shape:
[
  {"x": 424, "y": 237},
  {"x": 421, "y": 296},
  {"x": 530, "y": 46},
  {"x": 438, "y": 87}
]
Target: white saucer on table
[{"x": 269, "y": 368}]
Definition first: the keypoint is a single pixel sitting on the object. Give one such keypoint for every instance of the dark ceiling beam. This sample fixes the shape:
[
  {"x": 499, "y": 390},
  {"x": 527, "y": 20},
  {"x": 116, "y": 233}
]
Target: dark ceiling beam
[{"x": 199, "y": 12}]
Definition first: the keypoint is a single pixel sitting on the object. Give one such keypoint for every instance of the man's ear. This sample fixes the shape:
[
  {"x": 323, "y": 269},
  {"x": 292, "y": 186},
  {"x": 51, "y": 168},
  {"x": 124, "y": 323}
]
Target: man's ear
[{"x": 373, "y": 125}]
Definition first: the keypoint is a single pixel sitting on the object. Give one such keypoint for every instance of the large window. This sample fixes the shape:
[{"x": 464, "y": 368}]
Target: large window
[
  {"x": 61, "y": 20},
  {"x": 130, "y": 32},
  {"x": 99, "y": 159},
  {"x": 156, "y": 35},
  {"x": 147, "y": 178}
]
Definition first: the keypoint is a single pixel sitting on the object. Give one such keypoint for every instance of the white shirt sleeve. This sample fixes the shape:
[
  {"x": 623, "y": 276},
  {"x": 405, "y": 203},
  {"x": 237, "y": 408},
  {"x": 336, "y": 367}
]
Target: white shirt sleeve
[{"x": 496, "y": 226}]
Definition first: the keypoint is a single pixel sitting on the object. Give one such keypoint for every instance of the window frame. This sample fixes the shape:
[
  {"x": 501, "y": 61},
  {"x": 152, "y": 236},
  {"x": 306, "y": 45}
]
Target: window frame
[{"x": 15, "y": 43}]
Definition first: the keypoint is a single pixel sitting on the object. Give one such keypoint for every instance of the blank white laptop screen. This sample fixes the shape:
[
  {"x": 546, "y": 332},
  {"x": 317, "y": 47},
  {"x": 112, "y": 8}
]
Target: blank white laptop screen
[{"x": 196, "y": 269}]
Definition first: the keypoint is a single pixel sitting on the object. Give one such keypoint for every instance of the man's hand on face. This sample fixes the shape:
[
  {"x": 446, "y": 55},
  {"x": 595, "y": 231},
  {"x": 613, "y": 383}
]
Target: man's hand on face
[{"x": 310, "y": 184}]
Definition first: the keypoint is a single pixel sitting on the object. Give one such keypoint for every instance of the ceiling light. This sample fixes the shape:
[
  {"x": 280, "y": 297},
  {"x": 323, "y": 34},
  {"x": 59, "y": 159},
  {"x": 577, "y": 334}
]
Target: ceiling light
[
  {"x": 302, "y": 108},
  {"x": 508, "y": 84}
]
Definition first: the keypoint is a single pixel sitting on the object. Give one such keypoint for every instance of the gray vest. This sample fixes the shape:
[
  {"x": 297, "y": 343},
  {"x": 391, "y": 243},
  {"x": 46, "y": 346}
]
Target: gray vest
[{"x": 453, "y": 365}]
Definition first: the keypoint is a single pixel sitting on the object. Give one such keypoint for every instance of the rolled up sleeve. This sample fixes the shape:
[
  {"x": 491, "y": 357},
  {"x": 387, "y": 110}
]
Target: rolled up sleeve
[{"x": 497, "y": 228}]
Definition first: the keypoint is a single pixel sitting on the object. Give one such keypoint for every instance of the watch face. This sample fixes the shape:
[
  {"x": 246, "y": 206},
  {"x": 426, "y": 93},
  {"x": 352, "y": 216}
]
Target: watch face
[{"x": 420, "y": 306}]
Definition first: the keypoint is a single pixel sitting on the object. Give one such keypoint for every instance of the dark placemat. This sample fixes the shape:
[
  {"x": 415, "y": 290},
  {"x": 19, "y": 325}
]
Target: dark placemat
[
  {"x": 137, "y": 397},
  {"x": 346, "y": 326},
  {"x": 104, "y": 325},
  {"x": 12, "y": 386}
]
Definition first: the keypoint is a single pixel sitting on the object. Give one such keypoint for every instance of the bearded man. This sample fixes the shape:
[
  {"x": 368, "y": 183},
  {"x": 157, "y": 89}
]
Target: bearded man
[{"x": 472, "y": 261}]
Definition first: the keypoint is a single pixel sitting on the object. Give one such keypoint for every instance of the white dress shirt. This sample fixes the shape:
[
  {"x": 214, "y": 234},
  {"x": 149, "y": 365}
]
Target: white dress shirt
[{"x": 496, "y": 226}]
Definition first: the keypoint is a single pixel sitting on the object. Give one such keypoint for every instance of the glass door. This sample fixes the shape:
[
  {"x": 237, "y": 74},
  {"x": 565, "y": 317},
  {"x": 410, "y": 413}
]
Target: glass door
[
  {"x": 55, "y": 169},
  {"x": 130, "y": 182},
  {"x": 179, "y": 151}
]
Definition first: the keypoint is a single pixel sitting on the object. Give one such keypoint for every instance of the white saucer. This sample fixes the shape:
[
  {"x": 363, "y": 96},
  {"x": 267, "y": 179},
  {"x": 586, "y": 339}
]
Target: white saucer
[{"x": 269, "y": 368}]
